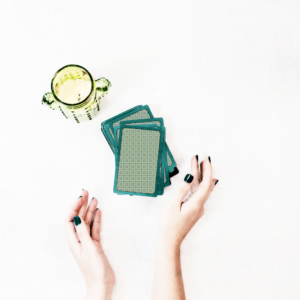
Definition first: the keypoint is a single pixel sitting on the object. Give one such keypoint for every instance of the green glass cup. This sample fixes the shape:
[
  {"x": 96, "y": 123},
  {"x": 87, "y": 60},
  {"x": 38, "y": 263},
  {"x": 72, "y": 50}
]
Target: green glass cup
[{"x": 75, "y": 93}]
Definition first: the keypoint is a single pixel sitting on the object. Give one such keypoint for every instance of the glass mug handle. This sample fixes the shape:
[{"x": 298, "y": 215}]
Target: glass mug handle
[
  {"x": 102, "y": 87},
  {"x": 48, "y": 100}
]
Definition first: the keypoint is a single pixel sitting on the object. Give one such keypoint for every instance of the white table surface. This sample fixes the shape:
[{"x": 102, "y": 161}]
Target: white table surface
[{"x": 225, "y": 76}]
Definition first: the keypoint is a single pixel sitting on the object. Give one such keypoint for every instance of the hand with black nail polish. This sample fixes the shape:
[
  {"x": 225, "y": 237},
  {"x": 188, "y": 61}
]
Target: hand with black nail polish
[
  {"x": 82, "y": 226},
  {"x": 177, "y": 219}
]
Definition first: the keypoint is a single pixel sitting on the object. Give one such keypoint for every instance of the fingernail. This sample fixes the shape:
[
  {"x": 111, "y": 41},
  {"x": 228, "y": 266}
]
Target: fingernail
[
  {"x": 76, "y": 220},
  {"x": 79, "y": 197},
  {"x": 93, "y": 198},
  {"x": 209, "y": 159},
  {"x": 188, "y": 178},
  {"x": 216, "y": 182},
  {"x": 197, "y": 157},
  {"x": 83, "y": 189}
]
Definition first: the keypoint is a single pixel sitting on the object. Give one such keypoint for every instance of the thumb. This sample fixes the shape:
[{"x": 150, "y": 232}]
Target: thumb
[
  {"x": 182, "y": 189},
  {"x": 82, "y": 232}
]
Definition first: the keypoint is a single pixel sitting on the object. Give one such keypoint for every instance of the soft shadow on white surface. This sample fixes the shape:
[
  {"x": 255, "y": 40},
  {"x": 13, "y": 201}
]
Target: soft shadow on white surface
[{"x": 225, "y": 77}]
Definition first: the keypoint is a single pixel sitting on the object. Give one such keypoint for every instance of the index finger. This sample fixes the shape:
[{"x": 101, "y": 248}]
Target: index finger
[{"x": 74, "y": 209}]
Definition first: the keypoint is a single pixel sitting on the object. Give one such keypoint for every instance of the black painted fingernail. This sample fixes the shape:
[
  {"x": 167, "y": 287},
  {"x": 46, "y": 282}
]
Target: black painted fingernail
[
  {"x": 216, "y": 182},
  {"x": 188, "y": 178},
  {"x": 209, "y": 159},
  {"x": 76, "y": 220},
  {"x": 79, "y": 197},
  {"x": 197, "y": 157}
]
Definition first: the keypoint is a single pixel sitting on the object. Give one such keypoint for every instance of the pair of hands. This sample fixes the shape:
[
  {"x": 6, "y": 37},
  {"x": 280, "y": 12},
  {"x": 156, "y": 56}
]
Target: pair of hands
[{"x": 83, "y": 227}]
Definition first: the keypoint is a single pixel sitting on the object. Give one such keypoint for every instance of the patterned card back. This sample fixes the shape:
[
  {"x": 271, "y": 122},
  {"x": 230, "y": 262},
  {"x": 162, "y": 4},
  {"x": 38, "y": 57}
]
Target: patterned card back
[
  {"x": 158, "y": 123},
  {"x": 138, "y": 169}
]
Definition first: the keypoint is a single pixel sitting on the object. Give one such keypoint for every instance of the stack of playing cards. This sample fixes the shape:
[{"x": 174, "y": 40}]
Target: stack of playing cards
[{"x": 144, "y": 162}]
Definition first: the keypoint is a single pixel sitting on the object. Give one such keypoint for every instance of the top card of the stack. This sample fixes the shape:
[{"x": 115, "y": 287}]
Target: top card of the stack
[
  {"x": 139, "y": 159},
  {"x": 145, "y": 122}
]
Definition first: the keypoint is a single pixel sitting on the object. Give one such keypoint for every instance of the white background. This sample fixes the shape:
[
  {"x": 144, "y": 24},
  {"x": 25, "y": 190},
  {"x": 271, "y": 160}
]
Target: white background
[{"x": 224, "y": 75}]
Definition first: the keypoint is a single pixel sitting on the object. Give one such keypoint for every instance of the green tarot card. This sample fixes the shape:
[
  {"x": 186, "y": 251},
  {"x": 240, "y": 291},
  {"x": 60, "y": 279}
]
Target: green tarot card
[
  {"x": 158, "y": 122},
  {"x": 153, "y": 122},
  {"x": 165, "y": 181},
  {"x": 139, "y": 160}
]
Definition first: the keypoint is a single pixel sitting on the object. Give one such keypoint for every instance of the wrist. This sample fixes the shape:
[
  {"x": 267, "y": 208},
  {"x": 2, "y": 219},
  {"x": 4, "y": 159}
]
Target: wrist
[
  {"x": 168, "y": 258},
  {"x": 99, "y": 292},
  {"x": 168, "y": 248},
  {"x": 168, "y": 244}
]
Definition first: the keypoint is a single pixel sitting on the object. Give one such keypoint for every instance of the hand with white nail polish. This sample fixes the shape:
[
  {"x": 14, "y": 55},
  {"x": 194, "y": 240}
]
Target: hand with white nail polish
[
  {"x": 82, "y": 226},
  {"x": 177, "y": 219}
]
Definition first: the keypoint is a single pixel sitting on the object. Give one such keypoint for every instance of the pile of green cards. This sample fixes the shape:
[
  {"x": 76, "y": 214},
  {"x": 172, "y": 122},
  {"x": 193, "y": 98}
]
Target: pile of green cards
[{"x": 144, "y": 162}]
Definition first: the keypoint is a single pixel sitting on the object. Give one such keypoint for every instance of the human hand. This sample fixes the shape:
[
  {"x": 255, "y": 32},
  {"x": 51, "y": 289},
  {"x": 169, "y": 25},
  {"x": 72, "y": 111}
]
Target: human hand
[
  {"x": 179, "y": 217},
  {"x": 84, "y": 243}
]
